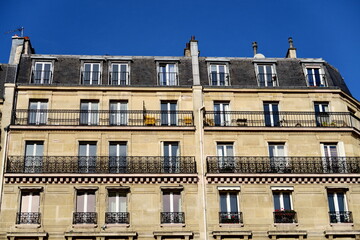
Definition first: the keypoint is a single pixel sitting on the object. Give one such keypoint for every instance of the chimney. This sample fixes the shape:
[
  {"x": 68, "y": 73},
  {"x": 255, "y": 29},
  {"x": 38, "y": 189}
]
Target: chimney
[
  {"x": 19, "y": 46},
  {"x": 255, "y": 47},
  {"x": 194, "y": 53},
  {"x": 291, "y": 53},
  {"x": 187, "y": 52}
]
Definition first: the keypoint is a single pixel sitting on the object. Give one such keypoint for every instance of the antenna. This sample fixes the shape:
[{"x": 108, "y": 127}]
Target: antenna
[{"x": 20, "y": 29}]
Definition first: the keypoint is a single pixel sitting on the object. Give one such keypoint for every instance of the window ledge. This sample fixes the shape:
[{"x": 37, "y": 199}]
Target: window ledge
[
  {"x": 85, "y": 225},
  {"x": 28, "y": 226},
  {"x": 286, "y": 224},
  {"x": 231, "y": 225},
  {"x": 172, "y": 225},
  {"x": 114, "y": 225},
  {"x": 341, "y": 224}
]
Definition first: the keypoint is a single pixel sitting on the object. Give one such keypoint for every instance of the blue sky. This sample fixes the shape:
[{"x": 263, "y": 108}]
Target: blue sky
[{"x": 323, "y": 28}]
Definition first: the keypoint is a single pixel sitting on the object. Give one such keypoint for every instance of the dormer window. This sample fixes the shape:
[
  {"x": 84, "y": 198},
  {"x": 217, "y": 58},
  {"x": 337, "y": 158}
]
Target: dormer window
[
  {"x": 266, "y": 75},
  {"x": 167, "y": 74},
  {"x": 119, "y": 74},
  {"x": 42, "y": 73},
  {"x": 315, "y": 76},
  {"x": 219, "y": 75},
  {"x": 91, "y": 74}
]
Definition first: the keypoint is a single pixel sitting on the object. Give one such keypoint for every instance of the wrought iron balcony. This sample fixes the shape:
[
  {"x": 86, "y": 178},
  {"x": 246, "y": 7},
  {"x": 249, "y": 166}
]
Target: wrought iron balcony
[
  {"x": 280, "y": 119},
  {"x": 117, "y": 218},
  {"x": 289, "y": 165},
  {"x": 285, "y": 216},
  {"x": 267, "y": 79},
  {"x": 102, "y": 118},
  {"x": 219, "y": 79},
  {"x": 230, "y": 217},
  {"x": 85, "y": 218},
  {"x": 341, "y": 217},
  {"x": 28, "y": 218},
  {"x": 101, "y": 164},
  {"x": 172, "y": 217},
  {"x": 41, "y": 77}
]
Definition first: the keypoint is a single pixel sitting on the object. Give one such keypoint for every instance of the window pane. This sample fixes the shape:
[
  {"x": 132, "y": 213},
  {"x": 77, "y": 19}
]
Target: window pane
[
  {"x": 177, "y": 202},
  {"x": 277, "y": 205},
  {"x": 223, "y": 204},
  {"x": 287, "y": 203},
  {"x": 331, "y": 202},
  {"x": 166, "y": 202},
  {"x": 233, "y": 202},
  {"x": 91, "y": 202},
  {"x": 341, "y": 201},
  {"x": 80, "y": 201}
]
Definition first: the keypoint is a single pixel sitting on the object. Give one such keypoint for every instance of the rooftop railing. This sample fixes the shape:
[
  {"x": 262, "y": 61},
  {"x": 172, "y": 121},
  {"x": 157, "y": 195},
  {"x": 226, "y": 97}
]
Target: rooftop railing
[
  {"x": 102, "y": 117},
  {"x": 288, "y": 165},
  {"x": 280, "y": 119},
  {"x": 101, "y": 164}
]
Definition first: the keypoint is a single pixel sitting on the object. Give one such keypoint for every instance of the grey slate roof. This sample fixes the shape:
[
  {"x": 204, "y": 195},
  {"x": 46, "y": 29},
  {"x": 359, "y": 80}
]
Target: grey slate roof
[{"x": 7, "y": 75}]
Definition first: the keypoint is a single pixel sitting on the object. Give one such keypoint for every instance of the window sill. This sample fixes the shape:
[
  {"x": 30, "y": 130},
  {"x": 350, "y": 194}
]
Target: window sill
[
  {"x": 231, "y": 225},
  {"x": 114, "y": 225},
  {"x": 286, "y": 224},
  {"x": 341, "y": 224},
  {"x": 84, "y": 225},
  {"x": 27, "y": 226},
  {"x": 172, "y": 225}
]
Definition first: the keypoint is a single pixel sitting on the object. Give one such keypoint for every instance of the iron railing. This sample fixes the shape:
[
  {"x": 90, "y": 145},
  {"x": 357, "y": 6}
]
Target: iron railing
[
  {"x": 91, "y": 77},
  {"x": 168, "y": 78},
  {"x": 292, "y": 165},
  {"x": 280, "y": 119},
  {"x": 117, "y": 218},
  {"x": 285, "y": 216},
  {"x": 85, "y": 218},
  {"x": 102, "y": 117},
  {"x": 219, "y": 79},
  {"x": 267, "y": 79},
  {"x": 28, "y": 218},
  {"x": 341, "y": 217},
  {"x": 230, "y": 217},
  {"x": 101, "y": 164},
  {"x": 316, "y": 80},
  {"x": 119, "y": 78},
  {"x": 172, "y": 217},
  {"x": 41, "y": 77}
]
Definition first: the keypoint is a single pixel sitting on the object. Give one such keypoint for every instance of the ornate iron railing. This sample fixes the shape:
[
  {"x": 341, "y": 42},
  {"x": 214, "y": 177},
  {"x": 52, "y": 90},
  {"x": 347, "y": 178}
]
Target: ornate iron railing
[
  {"x": 85, "y": 218},
  {"x": 28, "y": 218},
  {"x": 230, "y": 217},
  {"x": 341, "y": 217},
  {"x": 172, "y": 217},
  {"x": 285, "y": 216},
  {"x": 117, "y": 217},
  {"x": 300, "y": 165},
  {"x": 101, "y": 164},
  {"x": 102, "y": 117},
  {"x": 280, "y": 119}
]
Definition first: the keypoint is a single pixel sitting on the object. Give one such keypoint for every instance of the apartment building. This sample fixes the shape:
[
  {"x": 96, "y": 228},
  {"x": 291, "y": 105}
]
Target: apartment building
[{"x": 188, "y": 147}]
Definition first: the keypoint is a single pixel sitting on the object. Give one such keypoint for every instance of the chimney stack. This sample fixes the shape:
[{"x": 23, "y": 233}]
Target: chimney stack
[
  {"x": 19, "y": 46},
  {"x": 187, "y": 52},
  {"x": 255, "y": 47},
  {"x": 291, "y": 53}
]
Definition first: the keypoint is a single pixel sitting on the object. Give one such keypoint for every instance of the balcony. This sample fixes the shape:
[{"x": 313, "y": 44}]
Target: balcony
[
  {"x": 267, "y": 80},
  {"x": 285, "y": 165},
  {"x": 230, "y": 217},
  {"x": 172, "y": 217},
  {"x": 280, "y": 119},
  {"x": 41, "y": 77},
  {"x": 103, "y": 118},
  {"x": 341, "y": 217},
  {"x": 102, "y": 164},
  {"x": 285, "y": 216},
  {"x": 85, "y": 218},
  {"x": 117, "y": 218},
  {"x": 28, "y": 218}
]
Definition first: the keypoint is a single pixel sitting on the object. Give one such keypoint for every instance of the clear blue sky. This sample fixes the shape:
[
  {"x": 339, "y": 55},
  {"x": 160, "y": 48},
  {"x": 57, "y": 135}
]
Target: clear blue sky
[{"x": 320, "y": 28}]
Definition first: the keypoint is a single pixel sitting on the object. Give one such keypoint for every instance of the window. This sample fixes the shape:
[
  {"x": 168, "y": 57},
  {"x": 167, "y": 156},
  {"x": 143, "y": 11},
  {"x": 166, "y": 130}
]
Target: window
[
  {"x": 171, "y": 157},
  {"x": 229, "y": 207},
  {"x": 271, "y": 114},
  {"x": 119, "y": 74},
  {"x": 219, "y": 75},
  {"x": 283, "y": 208},
  {"x": 332, "y": 162},
  {"x": 117, "y": 157},
  {"x": 34, "y": 156},
  {"x": 171, "y": 211},
  {"x": 85, "y": 207},
  {"x": 167, "y": 74},
  {"x": 338, "y": 209},
  {"x": 117, "y": 208},
  {"x": 91, "y": 74},
  {"x": 322, "y": 114},
  {"x": 42, "y": 73},
  {"x": 37, "y": 112},
  {"x": 168, "y": 113},
  {"x": 278, "y": 161},
  {"x": 221, "y": 114},
  {"x": 89, "y": 112},
  {"x": 118, "y": 113},
  {"x": 29, "y": 208},
  {"x": 315, "y": 76},
  {"x": 225, "y": 153},
  {"x": 87, "y": 157},
  {"x": 266, "y": 75}
]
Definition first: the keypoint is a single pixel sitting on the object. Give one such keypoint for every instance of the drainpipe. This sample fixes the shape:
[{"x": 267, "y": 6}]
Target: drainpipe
[{"x": 3, "y": 163}]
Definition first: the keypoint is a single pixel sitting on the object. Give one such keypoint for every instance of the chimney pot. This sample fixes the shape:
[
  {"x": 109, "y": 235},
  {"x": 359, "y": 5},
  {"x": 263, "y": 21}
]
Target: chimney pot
[
  {"x": 255, "y": 46},
  {"x": 291, "y": 43},
  {"x": 291, "y": 53}
]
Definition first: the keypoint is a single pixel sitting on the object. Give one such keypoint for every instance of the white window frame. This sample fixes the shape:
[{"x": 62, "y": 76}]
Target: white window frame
[
  {"x": 91, "y": 73},
  {"x": 323, "y": 80},
  {"x": 271, "y": 112},
  {"x": 281, "y": 200},
  {"x": 119, "y": 117},
  {"x": 328, "y": 160},
  {"x": 223, "y": 113},
  {"x": 40, "y": 115},
  {"x": 226, "y": 72},
  {"x": 228, "y": 203},
  {"x": 273, "y": 74},
  {"x": 127, "y": 80},
  {"x": 92, "y": 117},
  {"x": 281, "y": 162},
  {"x": 117, "y": 200},
  {"x": 168, "y": 73},
  {"x": 168, "y": 114},
  {"x": 42, "y": 71}
]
